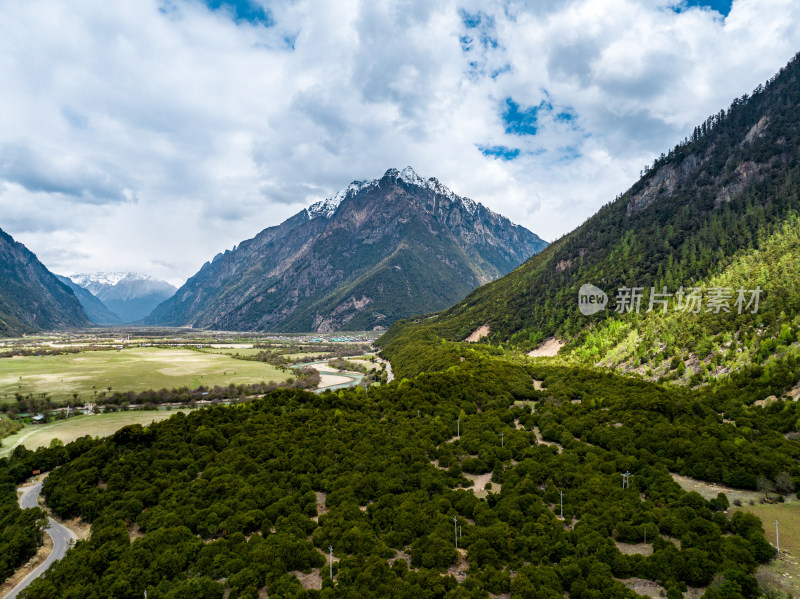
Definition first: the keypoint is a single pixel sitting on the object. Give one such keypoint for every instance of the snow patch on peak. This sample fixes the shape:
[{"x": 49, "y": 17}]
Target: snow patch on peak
[
  {"x": 470, "y": 205},
  {"x": 408, "y": 175},
  {"x": 107, "y": 278},
  {"x": 327, "y": 208},
  {"x": 411, "y": 177}
]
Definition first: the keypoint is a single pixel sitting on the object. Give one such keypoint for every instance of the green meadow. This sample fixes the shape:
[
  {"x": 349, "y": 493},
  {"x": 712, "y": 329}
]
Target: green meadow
[
  {"x": 784, "y": 572},
  {"x": 96, "y": 425},
  {"x": 136, "y": 369}
]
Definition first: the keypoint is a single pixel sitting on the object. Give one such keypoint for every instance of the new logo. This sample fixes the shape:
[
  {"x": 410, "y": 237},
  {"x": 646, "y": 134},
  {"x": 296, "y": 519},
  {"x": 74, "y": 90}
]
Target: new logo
[{"x": 591, "y": 299}]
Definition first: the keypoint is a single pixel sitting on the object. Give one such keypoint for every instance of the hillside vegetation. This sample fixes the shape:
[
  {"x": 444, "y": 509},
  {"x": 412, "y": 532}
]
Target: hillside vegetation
[
  {"x": 234, "y": 500},
  {"x": 719, "y": 209}
]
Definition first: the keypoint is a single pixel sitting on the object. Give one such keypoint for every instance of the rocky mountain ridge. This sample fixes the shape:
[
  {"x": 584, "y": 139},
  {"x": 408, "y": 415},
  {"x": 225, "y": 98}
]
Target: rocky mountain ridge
[
  {"x": 374, "y": 252},
  {"x": 32, "y": 299}
]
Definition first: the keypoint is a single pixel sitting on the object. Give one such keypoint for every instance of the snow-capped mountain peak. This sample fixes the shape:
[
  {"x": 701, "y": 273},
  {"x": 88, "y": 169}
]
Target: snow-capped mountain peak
[
  {"x": 107, "y": 278},
  {"x": 130, "y": 295},
  {"x": 409, "y": 175},
  {"x": 327, "y": 208}
]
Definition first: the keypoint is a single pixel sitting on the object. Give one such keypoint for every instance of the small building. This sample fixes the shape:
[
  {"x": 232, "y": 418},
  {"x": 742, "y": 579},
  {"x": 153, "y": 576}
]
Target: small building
[{"x": 38, "y": 419}]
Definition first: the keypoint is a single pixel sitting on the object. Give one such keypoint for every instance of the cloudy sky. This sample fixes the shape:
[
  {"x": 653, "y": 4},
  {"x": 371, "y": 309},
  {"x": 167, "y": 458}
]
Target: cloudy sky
[{"x": 148, "y": 135}]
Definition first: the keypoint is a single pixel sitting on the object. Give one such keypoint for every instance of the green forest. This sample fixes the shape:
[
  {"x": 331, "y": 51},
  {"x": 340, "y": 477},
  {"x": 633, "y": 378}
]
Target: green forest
[
  {"x": 20, "y": 530},
  {"x": 249, "y": 497}
]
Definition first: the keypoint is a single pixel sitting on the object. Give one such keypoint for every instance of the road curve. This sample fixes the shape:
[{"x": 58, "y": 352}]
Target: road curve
[{"x": 62, "y": 538}]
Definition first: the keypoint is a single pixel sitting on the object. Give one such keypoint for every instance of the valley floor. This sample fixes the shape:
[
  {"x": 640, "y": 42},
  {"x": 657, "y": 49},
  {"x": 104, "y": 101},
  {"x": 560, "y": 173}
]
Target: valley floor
[{"x": 95, "y": 425}]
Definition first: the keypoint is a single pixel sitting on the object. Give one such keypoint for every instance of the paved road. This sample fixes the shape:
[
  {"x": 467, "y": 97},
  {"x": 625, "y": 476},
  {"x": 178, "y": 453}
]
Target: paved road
[
  {"x": 61, "y": 536},
  {"x": 388, "y": 369}
]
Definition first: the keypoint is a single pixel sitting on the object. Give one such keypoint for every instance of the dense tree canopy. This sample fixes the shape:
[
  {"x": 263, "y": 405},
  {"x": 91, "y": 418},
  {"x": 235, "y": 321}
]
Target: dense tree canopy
[{"x": 245, "y": 497}]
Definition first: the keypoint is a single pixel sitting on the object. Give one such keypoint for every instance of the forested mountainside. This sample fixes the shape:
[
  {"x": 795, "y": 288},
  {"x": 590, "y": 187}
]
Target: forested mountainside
[
  {"x": 377, "y": 251},
  {"x": 717, "y": 211},
  {"x": 31, "y": 297},
  {"x": 246, "y": 500}
]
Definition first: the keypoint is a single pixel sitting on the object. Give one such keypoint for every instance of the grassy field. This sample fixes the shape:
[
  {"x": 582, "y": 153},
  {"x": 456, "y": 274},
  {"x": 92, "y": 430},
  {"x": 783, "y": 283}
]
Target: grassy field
[
  {"x": 136, "y": 369},
  {"x": 784, "y": 572},
  {"x": 230, "y": 351},
  {"x": 98, "y": 425},
  {"x": 711, "y": 490},
  {"x": 788, "y": 517}
]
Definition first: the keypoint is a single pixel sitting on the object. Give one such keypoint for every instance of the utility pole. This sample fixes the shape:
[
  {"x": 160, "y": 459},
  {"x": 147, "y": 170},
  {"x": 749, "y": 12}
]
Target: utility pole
[
  {"x": 561, "y": 495},
  {"x": 331, "y": 565},
  {"x": 502, "y": 443},
  {"x": 455, "y": 523},
  {"x": 626, "y": 480},
  {"x": 777, "y": 539}
]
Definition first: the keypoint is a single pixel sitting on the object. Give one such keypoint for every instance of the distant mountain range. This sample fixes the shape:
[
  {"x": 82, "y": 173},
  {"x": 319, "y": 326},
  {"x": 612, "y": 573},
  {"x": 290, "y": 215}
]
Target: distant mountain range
[
  {"x": 127, "y": 296},
  {"x": 95, "y": 310},
  {"x": 31, "y": 297},
  {"x": 375, "y": 252}
]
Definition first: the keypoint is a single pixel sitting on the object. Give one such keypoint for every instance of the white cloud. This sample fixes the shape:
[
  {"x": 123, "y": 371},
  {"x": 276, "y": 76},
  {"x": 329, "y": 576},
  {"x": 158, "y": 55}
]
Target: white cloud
[{"x": 151, "y": 135}]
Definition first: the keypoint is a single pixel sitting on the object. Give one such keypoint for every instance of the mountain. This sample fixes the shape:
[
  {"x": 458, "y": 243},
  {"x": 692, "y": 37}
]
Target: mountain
[
  {"x": 717, "y": 212},
  {"x": 32, "y": 299},
  {"x": 131, "y": 296},
  {"x": 375, "y": 252},
  {"x": 96, "y": 311}
]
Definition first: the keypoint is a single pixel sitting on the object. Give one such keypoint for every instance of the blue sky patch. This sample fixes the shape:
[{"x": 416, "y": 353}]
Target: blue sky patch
[
  {"x": 723, "y": 7},
  {"x": 501, "y": 152},
  {"x": 519, "y": 120},
  {"x": 246, "y": 11},
  {"x": 524, "y": 120},
  {"x": 471, "y": 20},
  {"x": 483, "y": 25},
  {"x": 565, "y": 117},
  {"x": 506, "y": 68}
]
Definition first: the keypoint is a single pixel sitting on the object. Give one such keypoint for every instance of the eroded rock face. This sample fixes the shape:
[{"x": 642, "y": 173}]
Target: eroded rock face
[
  {"x": 670, "y": 178},
  {"x": 666, "y": 180},
  {"x": 380, "y": 250},
  {"x": 743, "y": 175},
  {"x": 757, "y": 131}
]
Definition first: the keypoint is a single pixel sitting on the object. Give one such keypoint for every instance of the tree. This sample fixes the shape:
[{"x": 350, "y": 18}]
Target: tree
[
  {"x": 784, "y": 483},
  {"x": 764, "y": 485}
]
